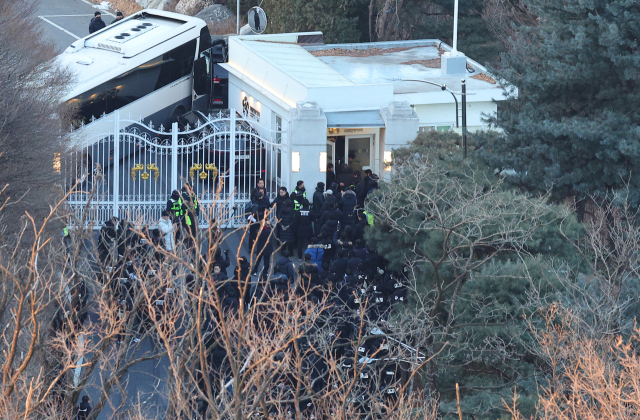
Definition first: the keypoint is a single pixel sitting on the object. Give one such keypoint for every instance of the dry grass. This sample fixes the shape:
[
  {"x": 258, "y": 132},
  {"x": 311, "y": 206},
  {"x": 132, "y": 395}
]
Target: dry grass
[
  {"x": 485, "y": 78},
  {"x": 369, "y": 52},
  {"x": 433, "y": 63}
]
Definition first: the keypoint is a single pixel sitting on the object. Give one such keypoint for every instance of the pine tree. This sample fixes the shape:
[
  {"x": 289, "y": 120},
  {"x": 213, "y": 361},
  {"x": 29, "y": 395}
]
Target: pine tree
[
  {"x": 337, "y": 19},
  {"x": 572, "y": 123},
  {"x": 475, "y": 250}
]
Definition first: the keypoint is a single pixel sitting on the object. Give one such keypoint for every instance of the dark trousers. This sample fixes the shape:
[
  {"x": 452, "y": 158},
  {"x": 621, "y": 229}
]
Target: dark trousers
[
  {"x": 266, "y": 258},
  {"x": 303, "y": 243}
]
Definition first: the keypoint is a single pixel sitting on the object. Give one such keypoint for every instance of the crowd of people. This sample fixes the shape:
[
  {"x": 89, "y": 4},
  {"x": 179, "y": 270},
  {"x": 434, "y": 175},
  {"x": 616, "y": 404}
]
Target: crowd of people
[{"x": 335, "y": 265}]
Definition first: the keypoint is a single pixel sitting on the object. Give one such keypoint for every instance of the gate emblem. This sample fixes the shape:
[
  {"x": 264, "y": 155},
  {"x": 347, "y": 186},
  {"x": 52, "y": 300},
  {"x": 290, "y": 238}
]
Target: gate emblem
[
  {"x": 209, "y": 167},
  {"x": 145, "y": 175}
]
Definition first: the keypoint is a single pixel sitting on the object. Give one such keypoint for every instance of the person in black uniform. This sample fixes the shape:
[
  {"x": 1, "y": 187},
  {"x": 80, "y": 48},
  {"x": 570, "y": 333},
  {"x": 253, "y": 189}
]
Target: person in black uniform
[
  {"x": 96, "y": 23},
  {"x": 84, "y": 408}
]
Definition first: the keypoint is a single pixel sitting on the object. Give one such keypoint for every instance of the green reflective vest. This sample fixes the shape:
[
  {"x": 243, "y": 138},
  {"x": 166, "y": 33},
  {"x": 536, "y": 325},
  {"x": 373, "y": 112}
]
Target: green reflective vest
[
  {"x": 296, "y": 205},
  {"x": 369, "y": 218},
  {"x": 65, "y": 231},
  {"x": 176, "y": 207}
]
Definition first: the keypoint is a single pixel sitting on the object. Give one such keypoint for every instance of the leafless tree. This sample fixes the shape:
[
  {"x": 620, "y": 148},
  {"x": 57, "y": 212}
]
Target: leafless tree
[
  {"x": 30, "y": 117},
  {"x": 76, "y": 322}
]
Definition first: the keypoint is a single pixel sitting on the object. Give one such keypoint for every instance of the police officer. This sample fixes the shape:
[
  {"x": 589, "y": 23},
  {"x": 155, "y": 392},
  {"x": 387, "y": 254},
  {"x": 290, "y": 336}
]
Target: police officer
[
  {"x": 298, "y": 194},
  {"x": 191, "y": 209},
  {"x": 176, "y": 210}
]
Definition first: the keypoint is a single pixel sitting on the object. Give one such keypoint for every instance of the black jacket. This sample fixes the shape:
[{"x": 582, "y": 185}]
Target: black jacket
[
  {"x": 84, "y": 408},
  {"x": 96, "y": 24},
  {"x": 318, "y": 199},
  {"x": 359, "y": 229},
  {"x": 325, "y": 216},
  {"x": 347, "y": 205},
  {"x": 286, "y": 268},
  {"x": 279, "y": 203},
  {"x": 331, "y": 177},
  {"x": 263, "y": 243},
  {"x": 340, "y": 267},
  {"x": 287, "y": 228},
  {"x": 302, "y": 222}
]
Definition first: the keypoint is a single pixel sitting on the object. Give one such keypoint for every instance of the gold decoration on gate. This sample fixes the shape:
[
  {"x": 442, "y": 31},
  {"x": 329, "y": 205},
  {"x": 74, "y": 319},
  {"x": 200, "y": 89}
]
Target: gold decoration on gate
[
  {"x": 212, "y": 168},
  {"x": 193, "y": 169},
  {"x": 145, "y": 175},
  {"x": 203, "y": 175},
  {"x": 155, "y": 169},
  {"x": 137, "y": 167}
]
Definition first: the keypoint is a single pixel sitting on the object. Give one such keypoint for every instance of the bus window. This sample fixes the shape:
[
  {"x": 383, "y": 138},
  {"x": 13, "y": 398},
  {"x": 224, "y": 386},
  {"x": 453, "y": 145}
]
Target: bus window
[{"x": 137, "y": 83}]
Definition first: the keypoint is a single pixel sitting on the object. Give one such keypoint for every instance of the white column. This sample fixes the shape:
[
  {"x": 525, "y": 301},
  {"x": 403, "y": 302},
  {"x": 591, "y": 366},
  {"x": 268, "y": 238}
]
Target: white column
[
  {"x": 174, "y": 157},
  {"x": 455, "y": 27},
  {"x": 116, "y": 162},
  {"x": 232, "y": 157}
]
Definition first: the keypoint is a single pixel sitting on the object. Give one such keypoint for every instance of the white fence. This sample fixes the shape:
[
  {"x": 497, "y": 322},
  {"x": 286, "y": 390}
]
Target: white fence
[{"x": 127, "y": 168}]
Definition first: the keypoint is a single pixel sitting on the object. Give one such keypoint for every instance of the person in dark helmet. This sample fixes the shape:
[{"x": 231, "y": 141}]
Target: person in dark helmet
[
  {"x": 96, "y": 23},
  {"x": 84, "y": 408},
  {"x": 119, "y": 17}
]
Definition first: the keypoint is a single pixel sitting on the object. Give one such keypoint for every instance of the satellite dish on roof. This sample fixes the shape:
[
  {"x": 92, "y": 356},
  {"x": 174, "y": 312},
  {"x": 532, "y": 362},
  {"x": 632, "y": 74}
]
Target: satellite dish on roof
[{"x": 257, "y": 19}]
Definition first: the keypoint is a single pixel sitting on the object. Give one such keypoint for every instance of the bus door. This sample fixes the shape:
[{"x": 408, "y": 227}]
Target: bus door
[{"x": 202, "y": 82}]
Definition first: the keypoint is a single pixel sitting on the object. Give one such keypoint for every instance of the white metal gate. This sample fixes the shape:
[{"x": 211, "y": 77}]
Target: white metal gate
[{"x": 127, "y": 168}]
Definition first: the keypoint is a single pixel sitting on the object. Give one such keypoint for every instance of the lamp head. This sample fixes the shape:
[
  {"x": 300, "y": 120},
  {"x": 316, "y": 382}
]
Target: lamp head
[{"x": 443, "y": 87}]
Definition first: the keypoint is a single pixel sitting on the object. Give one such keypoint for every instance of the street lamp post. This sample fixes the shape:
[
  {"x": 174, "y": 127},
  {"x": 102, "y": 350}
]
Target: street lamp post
[
  {"x": 464, "y": 94},
  {"x": 464, "y": 118},
  {"x": 443, "y": 87}
]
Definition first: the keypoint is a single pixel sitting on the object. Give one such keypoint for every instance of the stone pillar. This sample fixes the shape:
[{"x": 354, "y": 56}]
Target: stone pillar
[
  {"x": 401, "y": 128},
  {"x": 309, "y": 138}
]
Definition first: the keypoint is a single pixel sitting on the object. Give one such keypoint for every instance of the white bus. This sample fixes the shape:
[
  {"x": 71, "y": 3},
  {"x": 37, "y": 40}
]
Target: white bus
[{"x": 153, "y": 64}]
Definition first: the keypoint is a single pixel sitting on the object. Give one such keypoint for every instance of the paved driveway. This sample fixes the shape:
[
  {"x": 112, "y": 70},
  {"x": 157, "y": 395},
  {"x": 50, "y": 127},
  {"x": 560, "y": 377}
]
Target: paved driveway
[{"x": 64, "y": 21}]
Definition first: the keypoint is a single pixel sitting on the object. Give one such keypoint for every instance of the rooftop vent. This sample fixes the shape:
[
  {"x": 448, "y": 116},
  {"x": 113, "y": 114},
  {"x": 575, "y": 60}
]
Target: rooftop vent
[
  {"x": 132, "y": 32},
  {"x": 109, "y": 47}
]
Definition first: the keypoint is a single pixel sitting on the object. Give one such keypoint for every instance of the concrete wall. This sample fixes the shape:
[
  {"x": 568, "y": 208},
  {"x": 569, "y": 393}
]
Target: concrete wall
[
  {"x": 401, "y": 125},
  {"x": 445, "y": 114},
  {"x": 309, "y": 138},
  {"x": 351, "y": 98},
  {"x": 263, "y": 76}
]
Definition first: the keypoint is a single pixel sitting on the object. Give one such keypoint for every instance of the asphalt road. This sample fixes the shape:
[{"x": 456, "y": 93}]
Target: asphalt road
[
  {"x": 146, "y": 382},
  {"x": 64, "y": 21}
]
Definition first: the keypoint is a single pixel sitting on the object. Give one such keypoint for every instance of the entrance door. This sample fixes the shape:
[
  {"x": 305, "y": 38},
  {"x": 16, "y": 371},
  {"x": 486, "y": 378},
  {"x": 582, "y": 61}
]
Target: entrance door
[
  {"x": 331, "y": 152},
  {"x": 361, "y": 146}
]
